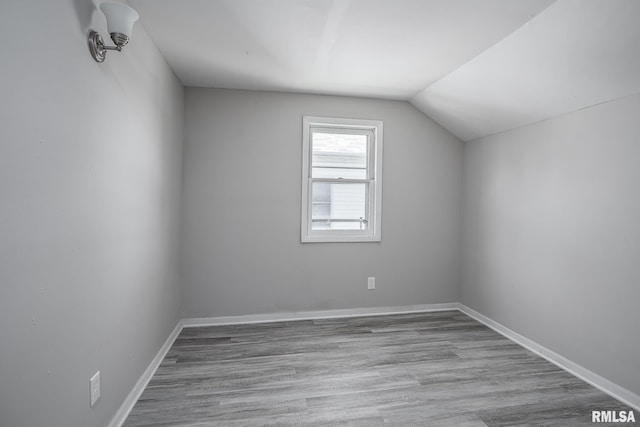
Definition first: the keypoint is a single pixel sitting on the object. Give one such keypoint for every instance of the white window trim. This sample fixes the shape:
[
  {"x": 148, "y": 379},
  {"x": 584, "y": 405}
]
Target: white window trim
[{"x": 374, "y": 234}]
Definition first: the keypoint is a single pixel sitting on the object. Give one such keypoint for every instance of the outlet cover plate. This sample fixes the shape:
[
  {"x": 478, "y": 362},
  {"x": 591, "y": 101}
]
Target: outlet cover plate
[
  {"x": 94, "y": 388},
  {"x": 371, "y": 282}
]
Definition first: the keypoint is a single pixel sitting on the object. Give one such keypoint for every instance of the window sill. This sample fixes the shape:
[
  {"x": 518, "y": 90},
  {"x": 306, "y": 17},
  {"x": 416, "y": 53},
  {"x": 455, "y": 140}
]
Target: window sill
[{"x": 340, "y": 239}]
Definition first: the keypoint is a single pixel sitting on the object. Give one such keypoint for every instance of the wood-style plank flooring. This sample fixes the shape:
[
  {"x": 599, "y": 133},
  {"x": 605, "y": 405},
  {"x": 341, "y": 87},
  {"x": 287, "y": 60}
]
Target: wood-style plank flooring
[{"x": 428, "y": 369}]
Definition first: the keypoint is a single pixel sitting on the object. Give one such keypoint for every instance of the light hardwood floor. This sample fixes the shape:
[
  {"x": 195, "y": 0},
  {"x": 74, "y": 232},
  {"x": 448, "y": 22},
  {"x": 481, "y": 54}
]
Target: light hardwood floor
[{"x": 428, "y": 369}]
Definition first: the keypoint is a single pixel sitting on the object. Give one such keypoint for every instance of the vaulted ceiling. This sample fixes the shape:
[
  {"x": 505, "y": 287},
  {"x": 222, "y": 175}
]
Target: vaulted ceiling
[{"x": 477, "y": 67}]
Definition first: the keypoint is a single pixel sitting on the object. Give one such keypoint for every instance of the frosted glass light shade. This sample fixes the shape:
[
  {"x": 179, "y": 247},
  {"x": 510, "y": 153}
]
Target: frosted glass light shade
[{"x": 120, "y": 17}]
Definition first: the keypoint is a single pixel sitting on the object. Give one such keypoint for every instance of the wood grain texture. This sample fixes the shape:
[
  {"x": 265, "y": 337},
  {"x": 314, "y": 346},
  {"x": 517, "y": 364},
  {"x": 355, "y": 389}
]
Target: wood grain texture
[{"x": 428, "y": 369}]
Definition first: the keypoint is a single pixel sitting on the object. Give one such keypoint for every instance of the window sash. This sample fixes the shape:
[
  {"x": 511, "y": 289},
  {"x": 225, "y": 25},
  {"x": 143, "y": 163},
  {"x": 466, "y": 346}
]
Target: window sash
[
  {"x": 332, "y": 129},
  {"x": 365, "y": 221}
]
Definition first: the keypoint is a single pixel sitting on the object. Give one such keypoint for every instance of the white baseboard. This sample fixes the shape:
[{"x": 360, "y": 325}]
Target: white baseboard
[
  {"x": 137, "y": 390},
  {"x": 324, "y": 314},
  {"x": 601, "y": 383}
]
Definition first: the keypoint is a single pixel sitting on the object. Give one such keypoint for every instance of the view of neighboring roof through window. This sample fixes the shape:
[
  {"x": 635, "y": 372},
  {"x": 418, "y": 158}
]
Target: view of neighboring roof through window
[{"x": 339, "y": 155}]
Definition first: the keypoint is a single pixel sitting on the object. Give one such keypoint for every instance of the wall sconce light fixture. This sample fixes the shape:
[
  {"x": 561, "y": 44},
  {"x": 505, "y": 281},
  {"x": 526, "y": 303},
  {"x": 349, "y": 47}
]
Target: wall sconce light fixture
[{"x": 120, "y": 19}]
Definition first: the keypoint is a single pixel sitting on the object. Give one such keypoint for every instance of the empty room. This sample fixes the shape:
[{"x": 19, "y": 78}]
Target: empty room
[{"x": 319, "y": 213}]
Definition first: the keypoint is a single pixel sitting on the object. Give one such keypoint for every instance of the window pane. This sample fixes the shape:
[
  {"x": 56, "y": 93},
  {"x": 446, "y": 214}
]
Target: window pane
[
  {"x": 337, "y": 155},
  {"x": 338, "y": 206},
  {"x": 321, "y": 201}
]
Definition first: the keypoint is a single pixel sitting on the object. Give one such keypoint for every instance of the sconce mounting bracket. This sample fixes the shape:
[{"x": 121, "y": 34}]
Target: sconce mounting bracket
[{"x": 96, "y": 46}]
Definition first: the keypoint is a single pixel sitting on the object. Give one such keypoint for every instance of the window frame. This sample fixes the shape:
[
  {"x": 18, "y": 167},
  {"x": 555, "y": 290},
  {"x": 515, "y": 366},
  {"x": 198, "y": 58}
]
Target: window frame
[{"x": 374, "y": 128}]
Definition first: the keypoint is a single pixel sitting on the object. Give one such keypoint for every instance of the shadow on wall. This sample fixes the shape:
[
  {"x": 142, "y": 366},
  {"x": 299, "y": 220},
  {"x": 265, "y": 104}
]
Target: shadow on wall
[{"x": 84, "y": 12}]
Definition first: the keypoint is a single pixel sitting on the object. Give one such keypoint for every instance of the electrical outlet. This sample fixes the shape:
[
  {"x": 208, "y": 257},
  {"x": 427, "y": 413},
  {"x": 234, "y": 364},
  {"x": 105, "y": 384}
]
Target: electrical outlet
[
  {"x": 371, "y": 282},
  {"x": 94, "y": 388}
]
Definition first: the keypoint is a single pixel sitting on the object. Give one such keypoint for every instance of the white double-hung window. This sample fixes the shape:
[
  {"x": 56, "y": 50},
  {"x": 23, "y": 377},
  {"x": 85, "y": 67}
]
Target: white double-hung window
[{"x": 341, "y": 180}]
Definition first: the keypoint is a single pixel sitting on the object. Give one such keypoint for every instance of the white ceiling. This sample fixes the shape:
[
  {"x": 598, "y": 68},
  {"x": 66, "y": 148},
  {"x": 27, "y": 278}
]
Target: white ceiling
[{"x": 476, "y": 66}]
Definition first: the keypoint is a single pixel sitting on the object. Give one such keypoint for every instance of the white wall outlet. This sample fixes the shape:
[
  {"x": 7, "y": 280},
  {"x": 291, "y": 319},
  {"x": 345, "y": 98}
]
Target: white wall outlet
[
  {"x": 371, "y": 282},
  {"x": 94, "y": 388}
]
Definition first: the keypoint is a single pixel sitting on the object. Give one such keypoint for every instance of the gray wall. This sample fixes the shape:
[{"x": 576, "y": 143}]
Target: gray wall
[
  {"x": 241, "y": 237},
  {"x": 90, "y": 175},
  {"x": 552, "y": 235}
]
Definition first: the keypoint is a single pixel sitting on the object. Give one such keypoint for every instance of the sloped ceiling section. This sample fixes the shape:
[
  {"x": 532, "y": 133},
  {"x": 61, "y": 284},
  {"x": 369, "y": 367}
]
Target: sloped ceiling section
[
  {"x": 478, "y": 67},
  {"x": 372, "y": 48},
  {"x": 575, "y": 54}
]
